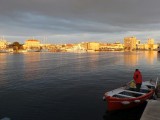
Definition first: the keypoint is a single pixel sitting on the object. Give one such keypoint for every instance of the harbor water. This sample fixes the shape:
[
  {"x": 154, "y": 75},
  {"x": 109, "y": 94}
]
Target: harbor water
[{"x": 69, "y": 86}]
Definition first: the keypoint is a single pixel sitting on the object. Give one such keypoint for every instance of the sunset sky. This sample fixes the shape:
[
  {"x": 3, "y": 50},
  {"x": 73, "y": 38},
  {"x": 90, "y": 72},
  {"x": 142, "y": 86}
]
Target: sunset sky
[{"x": 72, "y": 21}]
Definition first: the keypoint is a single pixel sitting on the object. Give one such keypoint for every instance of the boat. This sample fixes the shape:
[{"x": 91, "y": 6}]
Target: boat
[{"x": 127, "y": 97}]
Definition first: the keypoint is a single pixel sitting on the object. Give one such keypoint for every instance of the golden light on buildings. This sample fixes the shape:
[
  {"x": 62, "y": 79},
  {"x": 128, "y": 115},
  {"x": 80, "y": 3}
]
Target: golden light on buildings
[
  {"x": 93, "y": 46},
  {"x": 3, "y": 44},
  {"x": 130, "y": 43},
  {"x": 32, "y": 44}
]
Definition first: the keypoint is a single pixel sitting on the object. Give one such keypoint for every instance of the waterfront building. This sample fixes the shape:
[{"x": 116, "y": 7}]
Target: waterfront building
[
  {"x": 65, "y": 47},
  {"x": 111, "y": 46},
  {"x": 78, "y": 48},
  {"x": 130, "y": 43},
  {"x": 155, "y": 46},
  {"x": 3, "y": 44},
  {"x": 32, "y": 44},
  {"x": 138, "y": 42},
  {"x": 84, "y": 45},
  {"x": 93, "y": 46},
  {"x": 140, "y": 46},
  {"x": 104, "y": 46},
  {"x": 45, "y": 47},
  {"x": 150, "y": 43},
  {"x": 147, "y": 46},
  {"x": 68, "y": 46},
  {"x": 49, "y": 48}
]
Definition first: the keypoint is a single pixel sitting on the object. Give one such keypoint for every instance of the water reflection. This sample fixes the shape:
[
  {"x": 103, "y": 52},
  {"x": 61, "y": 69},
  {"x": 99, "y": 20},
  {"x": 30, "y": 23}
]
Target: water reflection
[
  {"x": 37, "y": 79},
  {"x": 3, "y": 64},
  {"x": 137, "y": 58},
  {"x": 93, "y": 60},
  {"x": 3, "y": 58},
  {"x": 150, "y": 56},
  {"x": 32, "y": 64},
  {"x": 158, "y": 56},
  {"x": 131, "y": 58}
]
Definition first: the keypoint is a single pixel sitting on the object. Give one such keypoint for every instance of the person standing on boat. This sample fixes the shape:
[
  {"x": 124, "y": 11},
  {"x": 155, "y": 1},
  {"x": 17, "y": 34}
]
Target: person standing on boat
[{"x": 138, "y": 79}]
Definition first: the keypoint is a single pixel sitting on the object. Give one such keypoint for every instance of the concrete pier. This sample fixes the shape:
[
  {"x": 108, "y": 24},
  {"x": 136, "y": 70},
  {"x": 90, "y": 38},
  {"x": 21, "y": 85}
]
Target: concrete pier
[{"x": 152, "y": 110}]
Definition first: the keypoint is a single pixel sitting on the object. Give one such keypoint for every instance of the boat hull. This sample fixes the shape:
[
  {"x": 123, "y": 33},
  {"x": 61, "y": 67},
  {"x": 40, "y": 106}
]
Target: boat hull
[{"x": 114, "y": 103}]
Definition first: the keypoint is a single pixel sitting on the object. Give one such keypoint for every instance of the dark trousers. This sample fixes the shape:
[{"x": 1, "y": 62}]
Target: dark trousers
[{"x": 138, "y": 86}]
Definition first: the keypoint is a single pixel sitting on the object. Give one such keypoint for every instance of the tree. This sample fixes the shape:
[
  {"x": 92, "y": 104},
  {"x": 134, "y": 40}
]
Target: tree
[{"x": 16, "y": 46}]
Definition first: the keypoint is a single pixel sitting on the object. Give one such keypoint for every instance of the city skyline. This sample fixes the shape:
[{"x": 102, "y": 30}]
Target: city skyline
[
  {"x": 73, "y": 21},
  {"x": 44, "y": 40}
]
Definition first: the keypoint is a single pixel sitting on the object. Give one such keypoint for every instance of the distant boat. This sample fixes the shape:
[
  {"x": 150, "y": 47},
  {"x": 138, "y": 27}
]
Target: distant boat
[{"x": 127, "y": 96}]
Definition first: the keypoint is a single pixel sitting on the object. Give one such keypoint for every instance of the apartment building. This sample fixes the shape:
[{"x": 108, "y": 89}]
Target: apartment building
[{"x": 130, "y": 43}]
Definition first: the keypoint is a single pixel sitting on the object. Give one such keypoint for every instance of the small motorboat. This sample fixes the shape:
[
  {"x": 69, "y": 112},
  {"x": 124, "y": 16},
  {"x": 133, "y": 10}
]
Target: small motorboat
[{"x": 127, "y": 97}]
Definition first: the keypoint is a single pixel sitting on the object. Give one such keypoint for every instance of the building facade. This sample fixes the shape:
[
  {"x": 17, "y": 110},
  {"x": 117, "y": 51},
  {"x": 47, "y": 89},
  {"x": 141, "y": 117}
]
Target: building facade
[
  {"x": 130, "y": 43},
  {"x": 93, "y": 46},
  {"x": 111, "y": 46},
  {"x": 150, "y": 43},
  {"x": 3, "y": 44},
  {"x": 30, "y": 44}
]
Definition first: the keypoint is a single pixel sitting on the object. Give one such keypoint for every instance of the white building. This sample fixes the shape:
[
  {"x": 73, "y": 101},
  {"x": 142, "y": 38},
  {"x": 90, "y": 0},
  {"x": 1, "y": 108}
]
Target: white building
[{"x": 3, "y": 44}]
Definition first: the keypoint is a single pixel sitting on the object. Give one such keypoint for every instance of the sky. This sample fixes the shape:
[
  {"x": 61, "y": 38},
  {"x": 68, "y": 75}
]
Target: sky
[{"x": 74, "y": 21}]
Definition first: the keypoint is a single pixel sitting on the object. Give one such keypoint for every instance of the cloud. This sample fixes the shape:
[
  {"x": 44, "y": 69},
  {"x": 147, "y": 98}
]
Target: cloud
[{"x": 68, "y": 17}]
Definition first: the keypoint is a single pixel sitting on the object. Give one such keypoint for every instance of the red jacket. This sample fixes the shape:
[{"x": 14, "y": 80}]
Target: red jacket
[{"x": 137, "y": 77}]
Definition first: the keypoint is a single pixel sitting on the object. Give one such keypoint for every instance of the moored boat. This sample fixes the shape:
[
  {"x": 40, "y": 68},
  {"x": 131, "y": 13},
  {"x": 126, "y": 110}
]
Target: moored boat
[{"x": 127, "y": 97}]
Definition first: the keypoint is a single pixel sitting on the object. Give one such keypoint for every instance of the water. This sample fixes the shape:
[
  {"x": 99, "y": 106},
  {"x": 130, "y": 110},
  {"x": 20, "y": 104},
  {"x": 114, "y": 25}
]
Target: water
[{"x": 68, "y": 86}]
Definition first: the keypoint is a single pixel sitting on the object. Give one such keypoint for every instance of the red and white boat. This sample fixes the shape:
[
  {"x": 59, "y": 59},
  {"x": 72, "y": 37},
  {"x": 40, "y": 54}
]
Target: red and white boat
[{"x": 126, "y": 97}]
